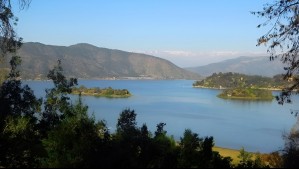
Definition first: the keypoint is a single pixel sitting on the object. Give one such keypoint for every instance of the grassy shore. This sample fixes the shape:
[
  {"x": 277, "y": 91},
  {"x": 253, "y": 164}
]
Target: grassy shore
[
  {"x": 223, "y": 88},
  {"x": 98, "y": 92},
  {"x": 233, "y": 153},
  {"x": 226, "y": 152}
]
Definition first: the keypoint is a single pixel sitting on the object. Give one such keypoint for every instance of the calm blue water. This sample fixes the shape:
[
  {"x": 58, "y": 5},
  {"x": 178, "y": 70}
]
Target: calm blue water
[{"x": 254, "y": 125}]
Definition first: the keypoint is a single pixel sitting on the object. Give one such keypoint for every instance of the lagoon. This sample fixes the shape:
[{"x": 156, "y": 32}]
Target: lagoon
[{"x": 254, "y": 125}]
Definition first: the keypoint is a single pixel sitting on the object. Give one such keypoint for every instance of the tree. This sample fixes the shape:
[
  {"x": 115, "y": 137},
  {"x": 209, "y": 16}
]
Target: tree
[
  {"x": 245, "y": 159},
  {"x": 126, "y": 123},
  {"x": 283, "y": 40},
  {"x": 19, "y": 110},
  {"x": 164, "y": 150},
  {"x": 145, "y": 147},
  {"x": 196, "y": 152},
  {"x": 127, "y": 144},
  {"x": 57, "y": 101},
  {"x": 75, "y": 141},
  {"x": 9, "y": 42},
  {"x": 17, "y": 100},
  {"x": 20, "y": 145},
  {"x": 273, "y": 159},
  {"x": 190, "y": 146},
  {"x": 160, "y": 130},
  {"x": 70, "y": 137},
  {"x": 291, "y": 150},
  {"x": 283, "y": 15},
  {"x": 248, "y": 160}
]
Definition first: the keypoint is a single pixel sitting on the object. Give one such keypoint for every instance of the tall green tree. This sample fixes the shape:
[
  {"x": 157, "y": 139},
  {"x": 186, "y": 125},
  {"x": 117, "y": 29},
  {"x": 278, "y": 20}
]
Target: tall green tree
[
  {"x": 282, "y": 16},
  {"x": 75, "y": 141},
  {"x": 146, "y": 145},
  {"x": 190, "y": 146},
  {"x": 71, "y": 137},
  {"x": 19, "y": 109},
  {"x": 57, "y": 101},
  {"x": 126, "y": 124},
  {"x": 196, "y": 152},
  {"x": 164, "y": 150},
  {"x": 127, "y": 143},
  {"x": 17, "y": 100}
]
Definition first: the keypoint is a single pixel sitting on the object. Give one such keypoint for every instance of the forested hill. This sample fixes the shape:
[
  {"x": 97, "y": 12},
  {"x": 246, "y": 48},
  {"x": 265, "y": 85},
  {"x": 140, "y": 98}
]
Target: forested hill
[
  {"x": 236, "y": 80},
  {"x": 91, "y": 62}
]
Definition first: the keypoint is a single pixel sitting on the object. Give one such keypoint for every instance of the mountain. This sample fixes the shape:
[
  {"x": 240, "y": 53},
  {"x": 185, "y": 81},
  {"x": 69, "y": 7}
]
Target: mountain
[
  {"x": 90, "y": 62},
  {"x": 247, "y": 65}
]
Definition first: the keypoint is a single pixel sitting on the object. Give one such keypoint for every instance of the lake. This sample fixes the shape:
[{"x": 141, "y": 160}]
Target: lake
[{"x": 254, "y": 125}]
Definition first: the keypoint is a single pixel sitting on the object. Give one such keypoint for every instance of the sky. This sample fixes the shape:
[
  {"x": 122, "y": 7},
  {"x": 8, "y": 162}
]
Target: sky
[{"x": 186, "y": 32}]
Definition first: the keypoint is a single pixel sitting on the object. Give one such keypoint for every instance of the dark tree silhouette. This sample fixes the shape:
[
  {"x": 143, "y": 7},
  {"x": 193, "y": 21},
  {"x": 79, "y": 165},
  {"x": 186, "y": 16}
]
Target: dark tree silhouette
[
  {"x": 18, "y": 121},
  {"x": 190, "y": 144},
  {"x": 291, "y": 150},
  {"x": 160, "y": 129}
]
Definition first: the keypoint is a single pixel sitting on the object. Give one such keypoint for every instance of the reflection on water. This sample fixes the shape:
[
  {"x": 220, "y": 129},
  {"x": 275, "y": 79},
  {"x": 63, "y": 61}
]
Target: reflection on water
[{"x": 255, "y": 125}]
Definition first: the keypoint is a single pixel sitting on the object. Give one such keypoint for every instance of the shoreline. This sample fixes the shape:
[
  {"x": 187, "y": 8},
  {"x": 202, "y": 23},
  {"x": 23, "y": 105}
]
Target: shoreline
[
  {"x": 99, "y": 95},
  {"x": 112, "y": 79},
  {"x": 223, "y": 88}
]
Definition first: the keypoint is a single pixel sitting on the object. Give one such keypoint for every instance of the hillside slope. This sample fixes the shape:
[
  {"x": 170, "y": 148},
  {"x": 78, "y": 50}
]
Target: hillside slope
[
  {"x": 246, "y": 65},
  {"x": 90, "y": 62}
]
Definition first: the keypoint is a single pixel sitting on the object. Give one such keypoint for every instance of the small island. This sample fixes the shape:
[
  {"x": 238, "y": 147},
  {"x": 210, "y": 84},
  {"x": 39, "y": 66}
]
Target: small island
[
  {"x": 246, "y": 94},
  {"x": 98, "y": 92}
]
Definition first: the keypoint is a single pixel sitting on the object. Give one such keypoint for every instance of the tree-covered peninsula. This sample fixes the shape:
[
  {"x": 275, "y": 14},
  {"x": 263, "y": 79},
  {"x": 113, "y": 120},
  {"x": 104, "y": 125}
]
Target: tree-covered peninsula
[
  {"x": 237, "y": 80},
  {"x": 98, "y": 92},
  {"x": 241, "y": 86}
]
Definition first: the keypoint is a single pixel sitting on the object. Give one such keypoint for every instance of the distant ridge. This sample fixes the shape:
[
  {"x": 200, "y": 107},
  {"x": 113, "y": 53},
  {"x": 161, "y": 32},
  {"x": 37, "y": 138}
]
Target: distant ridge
[
  {"x": 247, "y": 65},
  {"x": 90, "y": 62}
]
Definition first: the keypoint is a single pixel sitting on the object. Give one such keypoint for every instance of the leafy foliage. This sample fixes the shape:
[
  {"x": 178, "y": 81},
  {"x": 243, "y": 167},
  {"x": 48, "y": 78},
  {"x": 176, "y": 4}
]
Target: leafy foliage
[
  {"x": 291, "y": 150},
  {"x": 57, "y": 101},
  {"x": 9, "y": 41},
  {"x": 18, "y": 121},
  {"x": 274, "y": 159},
  {"x": 75, "y": 141},
  {"x": 17, "y": 100},
  {"x": 190, "y": 144},
  {"x": 20, "y": 145},
  {"x": 283, "y": 41},
  {"x": 283, "y": 38},
  {"x": 247, "y": 160},
  {"x": 197, "y": 152}
]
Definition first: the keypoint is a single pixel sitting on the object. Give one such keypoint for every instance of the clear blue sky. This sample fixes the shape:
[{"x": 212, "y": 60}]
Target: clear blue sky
[{"x": 186, "y": 32}]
